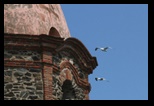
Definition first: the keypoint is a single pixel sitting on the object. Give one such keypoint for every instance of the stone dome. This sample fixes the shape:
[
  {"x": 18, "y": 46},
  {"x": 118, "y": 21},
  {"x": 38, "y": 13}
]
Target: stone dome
[{"x": 35, "y": 19}]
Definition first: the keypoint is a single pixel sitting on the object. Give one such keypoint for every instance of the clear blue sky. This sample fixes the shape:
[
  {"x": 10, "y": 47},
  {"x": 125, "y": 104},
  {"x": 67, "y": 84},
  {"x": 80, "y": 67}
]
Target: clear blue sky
[{"x": 124, "y": 27}]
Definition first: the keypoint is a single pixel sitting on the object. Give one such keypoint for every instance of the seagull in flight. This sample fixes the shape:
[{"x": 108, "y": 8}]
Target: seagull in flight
[
  {"x": 100, "y": 79},
  {"x": 103, "y": 49}
]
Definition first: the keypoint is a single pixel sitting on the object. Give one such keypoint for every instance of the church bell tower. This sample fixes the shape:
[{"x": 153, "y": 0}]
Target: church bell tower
[{"x": 41, "y": 60}]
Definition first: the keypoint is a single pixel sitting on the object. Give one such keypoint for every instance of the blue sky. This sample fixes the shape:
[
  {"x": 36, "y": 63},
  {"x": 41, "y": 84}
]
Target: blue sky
[{"x": 124, "y": 27}]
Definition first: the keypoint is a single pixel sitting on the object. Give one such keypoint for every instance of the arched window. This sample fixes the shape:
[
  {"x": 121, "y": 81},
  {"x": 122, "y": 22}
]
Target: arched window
[
  {"x": 53, "y": 32},
  {"x": 68, "y": 91}
]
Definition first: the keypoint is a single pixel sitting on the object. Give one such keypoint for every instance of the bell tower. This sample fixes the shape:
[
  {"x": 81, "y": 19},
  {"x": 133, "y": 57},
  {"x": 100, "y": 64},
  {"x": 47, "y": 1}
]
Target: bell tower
[{"x": 41, "y": 60}]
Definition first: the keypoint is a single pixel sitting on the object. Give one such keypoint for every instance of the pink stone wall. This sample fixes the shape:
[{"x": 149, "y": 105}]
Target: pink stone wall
[{"x": 34, "y": 19}]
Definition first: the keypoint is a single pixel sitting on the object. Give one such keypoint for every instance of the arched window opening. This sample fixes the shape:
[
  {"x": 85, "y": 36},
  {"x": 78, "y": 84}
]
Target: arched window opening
[
  {"x": 68, "y": 91},
  {"x": 53, "y": 32}
]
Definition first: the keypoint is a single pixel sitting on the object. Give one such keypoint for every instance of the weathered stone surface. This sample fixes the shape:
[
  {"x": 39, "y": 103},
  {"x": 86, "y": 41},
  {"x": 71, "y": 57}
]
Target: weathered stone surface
[
  {"x": 7, "y": 56},
  {"x": 18, "y": 74},
  {"x": 5, "y": 90},
  {"x": 19, "y": 78},
  {"x": 7, "y": 79},
  {"x": 23, "y": 99},
  {"x": 7, "y": 73},
  {"x": 24, "y": 86},
  {"x": 40, "y": 96},
  {"x": 38, "y": 87},
  {"x": 13, "y": 98},
  {"x": 15, "y": 86},
  {"x": 9, "y": 94},
  {"x": 28, "y": 83},
  {"x": 19, "y": 57},
  {"x": 22, "y": 55},
  {"x": 39, "y": 92},
  {"x": 31, "y": 88},
  {"x": 15, "y": 89},
  {"x": 39, "y": 83},
  {"x": 16, "y": 83},
  {"x": 35, "y": 19},
  {"x": 32, "y": 92},
  {"x": 34, "y": 70},
  {"x": 37, "y": 78},
  {"x": 5, "y": 98},
  {"x": 8, "y": 86},
  {"x": 28, "y": 74},
  {"x": 17, "y": 92},
  {"x": 13, "y": 52},
  {"x": 25, "y": 95},
  {"x": 22, "y": 69},
  {"x": 21, "y": 87},
  {"x": 26, "y": 78},
  {"x": 33, "y": 97},
  {"x": 36, "y": 74}
]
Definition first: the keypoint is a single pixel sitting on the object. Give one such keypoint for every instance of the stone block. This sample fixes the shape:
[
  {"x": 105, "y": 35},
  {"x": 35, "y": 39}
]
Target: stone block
[{"x": 8, "y": 86}]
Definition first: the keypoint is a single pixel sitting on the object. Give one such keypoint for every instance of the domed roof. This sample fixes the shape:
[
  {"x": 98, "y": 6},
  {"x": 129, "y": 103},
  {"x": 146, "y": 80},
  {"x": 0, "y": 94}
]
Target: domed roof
[{"x": 35, "y": 19}]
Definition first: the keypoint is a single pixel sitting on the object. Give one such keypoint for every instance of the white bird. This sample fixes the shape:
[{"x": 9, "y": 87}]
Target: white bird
[{"x": 103, "y": 49}]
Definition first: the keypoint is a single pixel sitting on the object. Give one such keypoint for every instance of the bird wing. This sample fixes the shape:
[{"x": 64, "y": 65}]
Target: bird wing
[
  {"x": 101, "y": 78},
  {"x": 106, "y": 48},
  {"x": 96, "y": 48},
  {"x": 96, "y": 79}
]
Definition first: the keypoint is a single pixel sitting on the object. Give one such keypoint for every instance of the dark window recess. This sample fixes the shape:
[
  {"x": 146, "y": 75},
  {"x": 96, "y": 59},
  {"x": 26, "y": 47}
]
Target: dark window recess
[
  {"x": 68, "y": 91},
  {"x": 53, "y": 32}
]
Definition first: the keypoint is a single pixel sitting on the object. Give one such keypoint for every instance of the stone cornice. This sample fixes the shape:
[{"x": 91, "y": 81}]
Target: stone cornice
[
  {"x": 49, "y": 43},
  {"x": 82, "y": 54}
]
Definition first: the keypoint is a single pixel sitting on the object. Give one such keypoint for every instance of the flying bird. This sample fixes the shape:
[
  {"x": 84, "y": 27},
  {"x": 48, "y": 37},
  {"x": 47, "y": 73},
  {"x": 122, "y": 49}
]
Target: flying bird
[
  {"x": 100, "y": 79},
  {"x": 103, "y": 49}
]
